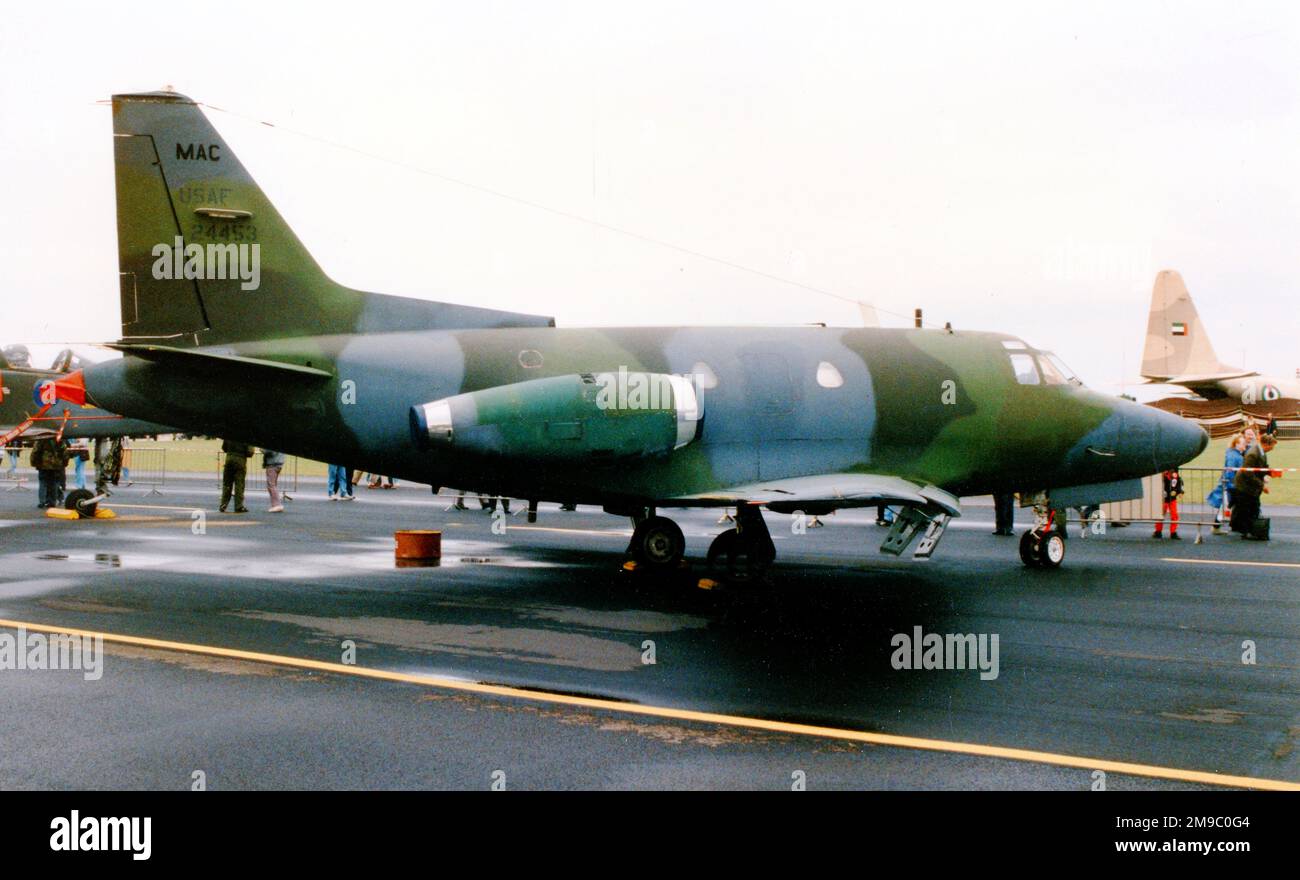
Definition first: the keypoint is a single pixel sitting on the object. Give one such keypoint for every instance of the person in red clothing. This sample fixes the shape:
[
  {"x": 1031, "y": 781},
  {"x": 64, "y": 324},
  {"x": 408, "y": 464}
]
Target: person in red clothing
[{"x": 1173, "y": 487}]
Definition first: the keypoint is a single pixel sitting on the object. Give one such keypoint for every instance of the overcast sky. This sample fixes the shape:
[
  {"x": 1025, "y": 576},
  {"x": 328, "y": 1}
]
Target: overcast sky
[{"x": 1016, "y": 167}]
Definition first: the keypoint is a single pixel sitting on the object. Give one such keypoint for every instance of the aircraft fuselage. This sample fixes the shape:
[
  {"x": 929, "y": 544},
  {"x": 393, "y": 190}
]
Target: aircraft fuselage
[{"x": 931, "y": 406}]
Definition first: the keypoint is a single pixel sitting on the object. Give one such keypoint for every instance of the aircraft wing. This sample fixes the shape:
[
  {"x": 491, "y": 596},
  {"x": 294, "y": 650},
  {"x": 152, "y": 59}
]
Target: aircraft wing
[{"x": 826, "y": 492}]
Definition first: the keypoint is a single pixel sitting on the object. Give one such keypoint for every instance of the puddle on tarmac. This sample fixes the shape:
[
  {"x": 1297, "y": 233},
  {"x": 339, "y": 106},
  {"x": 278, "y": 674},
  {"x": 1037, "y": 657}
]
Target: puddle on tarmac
[
  {"x": 375, "y": 556},
  {"x": 529, "y": 644},
  {"x": 107, "y": 560}
]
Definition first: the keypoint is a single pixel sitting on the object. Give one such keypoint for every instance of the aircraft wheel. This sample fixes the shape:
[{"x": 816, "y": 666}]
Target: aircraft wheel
[
  {"x": 75, "y": 499},
  {"x": 1051, "y": 551},
  {"x": 1030, "y": 549},
  {"x": 736, "y": 560},
  {"x": 658, "y": 543}
]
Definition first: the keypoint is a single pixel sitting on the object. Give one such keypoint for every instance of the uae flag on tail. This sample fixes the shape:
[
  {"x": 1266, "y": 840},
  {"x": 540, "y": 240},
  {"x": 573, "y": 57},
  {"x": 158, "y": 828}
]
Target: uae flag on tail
[{"x": 1178, "y": 328}]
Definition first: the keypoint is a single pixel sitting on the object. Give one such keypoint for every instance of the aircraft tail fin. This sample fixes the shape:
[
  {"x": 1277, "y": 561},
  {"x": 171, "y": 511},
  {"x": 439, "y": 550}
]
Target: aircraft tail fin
[
  {"x": 1177, "y": 344},
  {"x": 205, "y": 258}
]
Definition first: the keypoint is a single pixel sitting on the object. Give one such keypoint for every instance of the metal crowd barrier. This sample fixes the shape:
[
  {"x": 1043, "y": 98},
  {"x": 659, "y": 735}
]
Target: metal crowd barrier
[
  {"x": 17, "y": 478},
  {"x": 144, "y": 467},
  {"x": 1194, "y": 505}
]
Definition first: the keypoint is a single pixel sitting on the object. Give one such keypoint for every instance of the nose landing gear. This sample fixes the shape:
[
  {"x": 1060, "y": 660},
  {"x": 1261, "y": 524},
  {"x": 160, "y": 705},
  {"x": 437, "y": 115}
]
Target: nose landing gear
[{"x": 1042, "y": 546}]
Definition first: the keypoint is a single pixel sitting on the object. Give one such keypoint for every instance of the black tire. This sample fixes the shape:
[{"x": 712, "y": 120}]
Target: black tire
[
  {"x": 1051, "y": 551},
  {"x": 658, "y": 544},
  {"x": 737, "y": 561},
  {"x": 1030, "y": 549},
  {"x": 75, "y": 501}
]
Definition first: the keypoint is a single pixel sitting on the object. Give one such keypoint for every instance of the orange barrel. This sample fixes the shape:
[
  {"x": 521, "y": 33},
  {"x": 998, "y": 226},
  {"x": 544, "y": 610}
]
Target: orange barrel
[{"x": 418, "y": 545}]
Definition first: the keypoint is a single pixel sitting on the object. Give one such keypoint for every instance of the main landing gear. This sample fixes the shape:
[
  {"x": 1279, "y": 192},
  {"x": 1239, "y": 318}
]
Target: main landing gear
[
  {"x": 737, "y": 556},
  {"x": 657, "y": 543},
  {"x": 742, "y": 555},
  {"x": 1042, "y": 546}
]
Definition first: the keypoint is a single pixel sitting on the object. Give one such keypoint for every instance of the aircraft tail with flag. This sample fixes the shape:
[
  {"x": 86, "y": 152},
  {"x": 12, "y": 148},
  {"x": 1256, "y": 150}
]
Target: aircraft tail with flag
[{"x": 1178, "y": 350}]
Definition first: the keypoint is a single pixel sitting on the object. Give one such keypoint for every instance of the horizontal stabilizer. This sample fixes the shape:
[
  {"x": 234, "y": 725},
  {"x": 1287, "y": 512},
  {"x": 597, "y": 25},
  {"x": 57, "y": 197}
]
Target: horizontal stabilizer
[
  {"x": 1209, "y": 378},
  {"x": 193, "y": 358}
]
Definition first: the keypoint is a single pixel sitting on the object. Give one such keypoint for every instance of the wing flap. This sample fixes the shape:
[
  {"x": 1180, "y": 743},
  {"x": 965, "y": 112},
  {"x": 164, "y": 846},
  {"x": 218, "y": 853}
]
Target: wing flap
[{"x": 828, "y": 492}]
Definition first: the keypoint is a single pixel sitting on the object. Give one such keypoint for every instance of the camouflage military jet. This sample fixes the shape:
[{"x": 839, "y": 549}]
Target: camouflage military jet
[
  {"x": 229, "y": 327},
  {"x": 30, "y": 407},
  {"x": 1178, "y": 352}
]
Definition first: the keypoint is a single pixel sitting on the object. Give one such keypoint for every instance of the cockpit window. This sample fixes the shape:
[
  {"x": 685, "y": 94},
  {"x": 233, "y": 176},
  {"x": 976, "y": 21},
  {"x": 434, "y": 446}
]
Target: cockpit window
[
  {"x": 1023, "y": 365},
  {"x": 1034, "y": 367},
  {"x": 1051, "y": 375},
  {"x": 1055, "y": 371}
]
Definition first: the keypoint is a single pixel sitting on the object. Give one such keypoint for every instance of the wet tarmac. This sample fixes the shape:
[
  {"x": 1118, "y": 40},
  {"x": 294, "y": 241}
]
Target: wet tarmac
[{"x": 1133, "y": 652}]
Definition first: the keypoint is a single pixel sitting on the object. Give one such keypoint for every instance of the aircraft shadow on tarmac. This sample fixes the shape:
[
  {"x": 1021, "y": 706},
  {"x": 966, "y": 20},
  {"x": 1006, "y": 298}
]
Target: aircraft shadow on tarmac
[{"x": 809, "y": 641}]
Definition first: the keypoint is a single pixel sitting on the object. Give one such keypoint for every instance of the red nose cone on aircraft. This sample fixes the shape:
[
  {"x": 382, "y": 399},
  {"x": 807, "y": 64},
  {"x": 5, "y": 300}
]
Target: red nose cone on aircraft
[{"x": 70, "y": 388}]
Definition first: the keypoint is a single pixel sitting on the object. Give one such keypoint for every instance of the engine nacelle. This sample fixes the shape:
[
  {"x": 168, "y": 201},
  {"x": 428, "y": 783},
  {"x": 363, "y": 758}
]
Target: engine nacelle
[{"x": 597, "y": 417}]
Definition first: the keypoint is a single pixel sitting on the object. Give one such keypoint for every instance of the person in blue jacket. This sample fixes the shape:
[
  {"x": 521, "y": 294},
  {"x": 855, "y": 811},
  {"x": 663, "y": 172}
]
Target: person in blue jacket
[{"x": 1220, "y": 498}]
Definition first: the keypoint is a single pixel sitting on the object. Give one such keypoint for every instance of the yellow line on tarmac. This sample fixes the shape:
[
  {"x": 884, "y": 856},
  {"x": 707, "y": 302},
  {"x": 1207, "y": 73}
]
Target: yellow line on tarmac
[
  {"x": 879, "y": 739},
  {"x": 1230, "y": 562}
]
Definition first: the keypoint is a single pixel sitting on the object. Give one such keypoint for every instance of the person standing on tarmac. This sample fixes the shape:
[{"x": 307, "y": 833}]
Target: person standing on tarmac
[
  {"x": 273, "y": 462},
  {"x": 233, "y": 473},
  {"x": 1220, "y": 498},
  {"x": 1173, "y": 487},
  {"x": 49, "y": 458},
  {"x": 1004, "y": 513},
  {"x": 340, "y": 483},
  {"x": 108, "y": 463},
  {"x": 1248, "y": 486},
  {"x": 80, "y": 455}
]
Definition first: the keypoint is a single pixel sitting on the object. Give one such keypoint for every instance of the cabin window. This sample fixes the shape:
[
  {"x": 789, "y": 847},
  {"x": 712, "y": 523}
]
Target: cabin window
[
  {"x": 530, "y": 358},
  {"x": 828, "y": 376},
  {"x": 704, "y": 376}
]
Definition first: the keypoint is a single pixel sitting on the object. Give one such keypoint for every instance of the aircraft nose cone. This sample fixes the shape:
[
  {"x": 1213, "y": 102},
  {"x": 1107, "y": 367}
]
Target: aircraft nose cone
[
  {"x": 1180, "y": 441},
  {"x": 1153, "y": 441}
]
